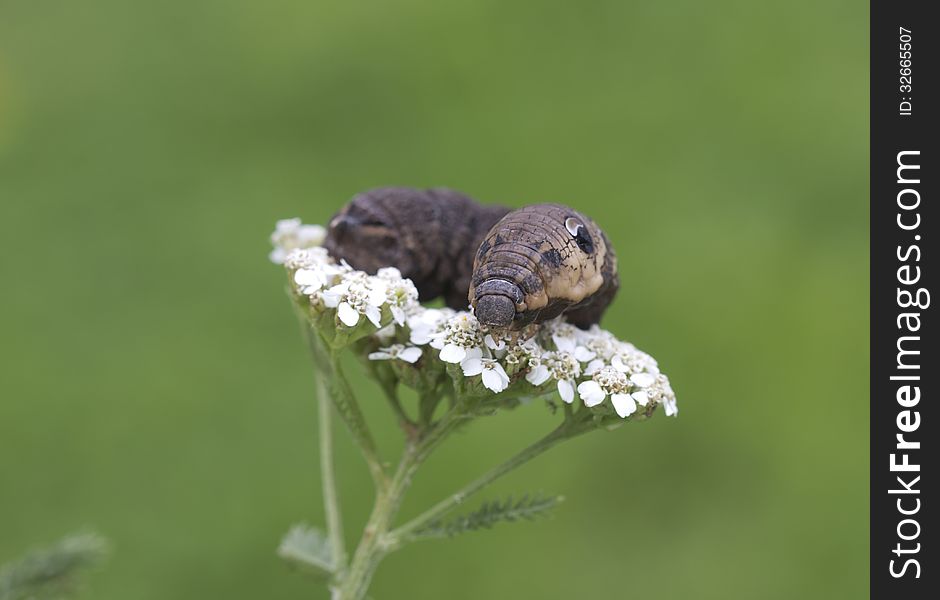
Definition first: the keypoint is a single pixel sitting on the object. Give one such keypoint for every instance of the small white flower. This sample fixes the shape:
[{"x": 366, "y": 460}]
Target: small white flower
[
  {"x": 315, "y": 257},
  {"x": 570, "y": 345},
  {"x": 290, "y": 234},
  {"x": 522, "y": 355},
  {"x": 564, "y": 368},
  {"x": 426, "y": 322},
  {"x": 353, "y": 297},
  {"x": 493, "y": 375},
  {"x": 409, "y": 354},
  {"x": 401, "y": 294},
  {"x": 311, "y": 280},
  {"x": 457, "y": 337},
  {"x": 604, "y": 381},
  {"x": 630, "y": 360}
]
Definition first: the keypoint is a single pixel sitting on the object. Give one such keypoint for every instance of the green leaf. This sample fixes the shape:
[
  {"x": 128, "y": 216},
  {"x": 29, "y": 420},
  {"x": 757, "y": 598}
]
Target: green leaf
[
  {"x": 528, "y": 507},
  {"x": 51, "y": 572},
  {"x": 308, "y": 548}
]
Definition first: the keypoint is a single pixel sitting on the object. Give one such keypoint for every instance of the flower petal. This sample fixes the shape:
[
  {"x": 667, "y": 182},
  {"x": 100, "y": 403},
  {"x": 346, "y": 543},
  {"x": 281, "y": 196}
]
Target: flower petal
[
  {"x": 671, "y": 408},
  {"x": 582, "y": 354},
  {"x": 330, "y": 298},
  {"x": 623, "y": 404},
  {"x": 564, "y": 344},
  {"x": 594, "y": 366},
  {"x": 379, "y": 356},
  {"x": 374, "y": 315},
  {"x": 493, "y": 381},
  {"x": 378, "y": 293},
  {"x": 591, "y": 393},
  {"x": 452, "y": 353},
  {"x": 493, "y": 344},
  {"x": 308, "y": 277},
  {"x": 642, "y": 398},
  {"x": 474, "y": 352},
  {"x": 347, "y": 314},
  {"x": 538, "y": 375},
  {"x": 566, "y": 391},
  {"x": 642, "y": 379},
  {"x": 410, "y": 355},
  {"x": 420, "y": 337},
  {"x": 472, "y": 366}
]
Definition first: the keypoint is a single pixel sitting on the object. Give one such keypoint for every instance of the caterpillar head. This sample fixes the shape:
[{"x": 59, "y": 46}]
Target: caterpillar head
[
  {"x": 539, "y": 262},
  {"x": 496, "y": 302},
  {"x": 366, "y": 234}
]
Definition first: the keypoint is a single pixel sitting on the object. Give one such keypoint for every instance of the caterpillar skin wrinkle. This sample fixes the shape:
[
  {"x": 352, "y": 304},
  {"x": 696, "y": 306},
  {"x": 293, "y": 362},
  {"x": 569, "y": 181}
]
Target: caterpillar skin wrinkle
[
  {"x": 431, "y": 236},
  {"x": 539, "y": 262}
]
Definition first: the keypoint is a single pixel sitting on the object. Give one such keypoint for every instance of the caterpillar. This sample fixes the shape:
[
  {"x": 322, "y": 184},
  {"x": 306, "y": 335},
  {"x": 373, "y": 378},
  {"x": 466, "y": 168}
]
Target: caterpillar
[
  {"x": 541, "y": 261},
  {"x": 429, "y": 235}
]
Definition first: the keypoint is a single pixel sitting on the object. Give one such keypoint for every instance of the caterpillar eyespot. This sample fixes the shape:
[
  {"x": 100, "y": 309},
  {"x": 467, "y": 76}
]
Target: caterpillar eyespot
[
  {"x": 572, "y": 225},
  {"x": 431, "y": 236},
  {"x": 539, "y": 262}
]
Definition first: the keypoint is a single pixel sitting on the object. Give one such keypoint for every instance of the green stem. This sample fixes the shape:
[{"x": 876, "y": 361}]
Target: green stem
[
  {"x": 374, "y": 543},
  {"x": 370, "y": 550},
  {"x": 568, "y": 429},
  {"x": 328, "y": 366},
  {"x": 334, "y": 520}
]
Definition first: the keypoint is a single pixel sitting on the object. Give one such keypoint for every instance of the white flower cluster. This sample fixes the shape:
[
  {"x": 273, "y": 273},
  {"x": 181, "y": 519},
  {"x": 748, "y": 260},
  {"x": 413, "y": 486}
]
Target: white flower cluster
[
  {"x": 593, "y": 363},
  {"x": 290, "y": 234}
]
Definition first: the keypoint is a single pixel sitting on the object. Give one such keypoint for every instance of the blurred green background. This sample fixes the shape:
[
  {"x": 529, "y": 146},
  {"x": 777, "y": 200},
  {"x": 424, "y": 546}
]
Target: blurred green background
[{"x": 154, "y": 384}]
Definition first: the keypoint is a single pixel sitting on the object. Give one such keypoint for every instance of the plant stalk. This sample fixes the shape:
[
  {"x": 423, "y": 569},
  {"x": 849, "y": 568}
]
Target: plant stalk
[
  {"x": 330, "y": 371},
  {"x": 334, "y": 520},
  {"x": 374, "y": 544}
]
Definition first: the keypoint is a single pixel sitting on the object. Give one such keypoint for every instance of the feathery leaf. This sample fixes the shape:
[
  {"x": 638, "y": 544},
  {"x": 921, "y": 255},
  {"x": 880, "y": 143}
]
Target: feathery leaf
[
  {"x": 308, "y": 548},
  {"x": 528, "y": 507},
  {"x": 50, "y": 572}
]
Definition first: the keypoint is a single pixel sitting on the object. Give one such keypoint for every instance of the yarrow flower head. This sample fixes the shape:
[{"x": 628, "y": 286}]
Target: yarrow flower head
[{"x": 591, "y": 365}]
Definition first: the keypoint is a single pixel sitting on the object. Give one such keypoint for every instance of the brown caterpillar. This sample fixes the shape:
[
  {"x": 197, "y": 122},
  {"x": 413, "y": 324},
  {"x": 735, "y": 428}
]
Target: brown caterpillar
[
  {"x": 539, "y": 262},
  {"x": 431, "y": 236}
]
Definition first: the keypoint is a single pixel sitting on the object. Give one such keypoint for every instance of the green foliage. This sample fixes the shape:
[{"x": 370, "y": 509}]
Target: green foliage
[
  {"x": 52, "y": 572},
  {"x": 528, "y": 508},
  {"x": 308, "y": 548}
]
